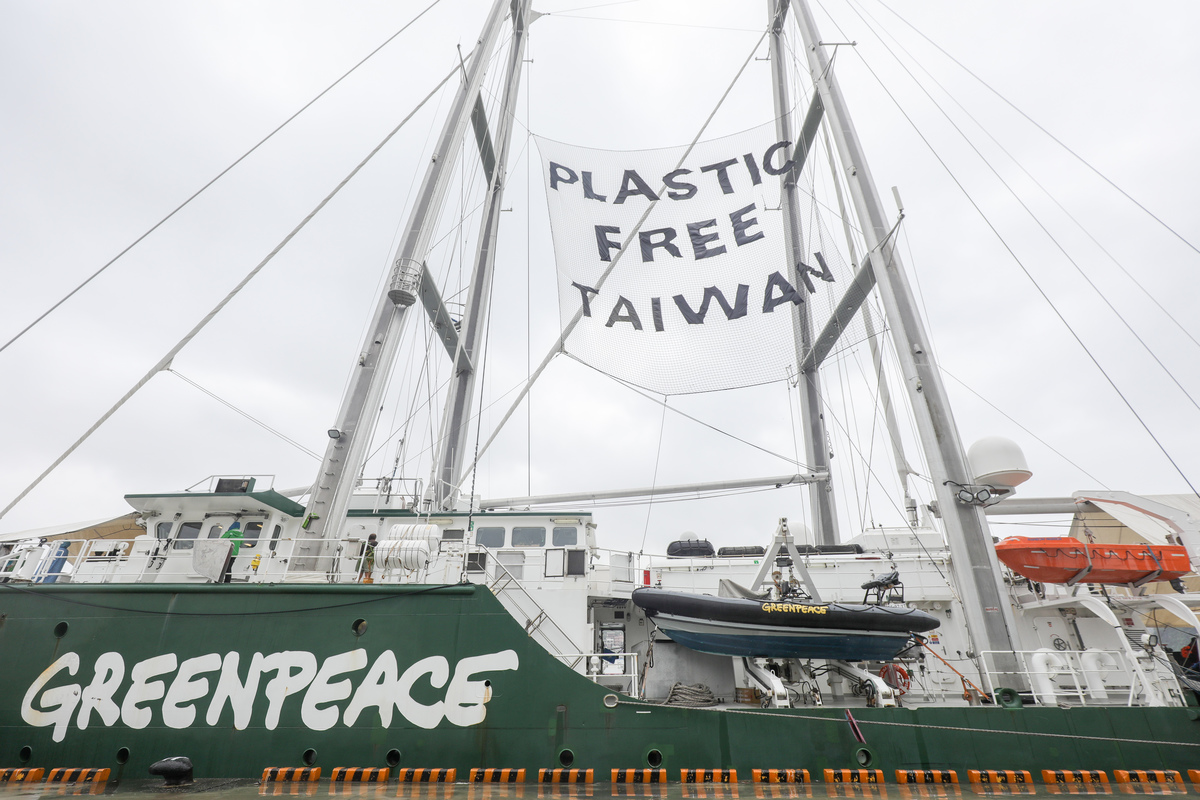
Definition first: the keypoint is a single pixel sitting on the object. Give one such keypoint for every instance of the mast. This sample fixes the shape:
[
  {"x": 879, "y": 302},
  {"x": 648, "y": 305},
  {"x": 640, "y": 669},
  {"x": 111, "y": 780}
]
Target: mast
[
  {"x": 816, "y": 449},
  {"x": 448, "y": 468},
  {"x": 977, "y": 571},
  {"x": 359, "y": 412}
]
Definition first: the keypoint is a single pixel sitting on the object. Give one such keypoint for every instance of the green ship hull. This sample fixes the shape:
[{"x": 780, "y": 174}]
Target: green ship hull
[{"x": 240, "y": 678}]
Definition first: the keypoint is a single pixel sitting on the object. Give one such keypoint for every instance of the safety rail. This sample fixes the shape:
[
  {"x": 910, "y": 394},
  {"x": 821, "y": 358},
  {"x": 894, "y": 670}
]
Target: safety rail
[
  {"x": 841, "y": 575},
  {"x": 520, "y": 603},
  {"x": 1055, "y": 676},
  {"x": 595, "y": 668}
]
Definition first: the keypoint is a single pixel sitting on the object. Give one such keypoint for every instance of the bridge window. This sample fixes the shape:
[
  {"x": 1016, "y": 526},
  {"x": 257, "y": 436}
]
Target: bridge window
[
  {"x": 163, "y": 530},
  {"x": 188, "y": 531},
  {"x": 253, "y": 531},
  {"x": 529, "y": 537},
  {"x": 565, "y": 536},
  {"x": 490, "y": 537}
]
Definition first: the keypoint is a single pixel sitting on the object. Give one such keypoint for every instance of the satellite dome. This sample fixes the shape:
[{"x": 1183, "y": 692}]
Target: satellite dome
[{"x": 997, "y": 461}]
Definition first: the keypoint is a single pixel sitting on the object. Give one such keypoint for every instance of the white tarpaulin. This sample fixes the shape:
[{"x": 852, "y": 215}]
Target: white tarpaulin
[{"x": 700, "y": 295}]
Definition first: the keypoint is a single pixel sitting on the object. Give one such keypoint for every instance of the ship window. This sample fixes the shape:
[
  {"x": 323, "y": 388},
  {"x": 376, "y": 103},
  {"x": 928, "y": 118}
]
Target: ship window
[
  {"x": 576, "y": 562},
  {"x": 490, "y": 537},
  {"x": 275, "y": 536},
  {"x": 215, "y": 532},
  {"x": 452, "y": 535},
  {"x": 512, "y": 563},
  {"x": 253, "y": 531},
  {"x": 565, "y": 536},
  {"x": 187, "y": 532},
  {"x": 163, "y": 530},
  {"x": 529, "y": 537}
]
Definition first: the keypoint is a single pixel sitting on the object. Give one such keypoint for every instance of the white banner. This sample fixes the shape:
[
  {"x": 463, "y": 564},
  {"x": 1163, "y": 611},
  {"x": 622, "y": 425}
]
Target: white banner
[{"x": 699, "y": 296}]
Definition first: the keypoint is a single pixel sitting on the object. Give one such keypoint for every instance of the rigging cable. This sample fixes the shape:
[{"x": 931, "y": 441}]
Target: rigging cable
[
  {"x": 218, "y": 177},
  {"x": 166, "y": 360},
  {"x": 698, "y": 421},
  {"x": 1042, "y": 441},
  {"x": 662, "y": 426},
  {"x": 1133, "y": 279},
  {"x": 1016, "y": 259},
  {"x": 1033, "y": 216},
  {"x": 245, "y": 414},
  {"x": 1055, "y": 139},
  {"x": 559, "y": 345}
]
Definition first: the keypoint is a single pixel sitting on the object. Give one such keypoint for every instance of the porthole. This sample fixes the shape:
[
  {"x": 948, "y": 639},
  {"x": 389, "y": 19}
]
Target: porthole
[
  {"x": 359, "y": 626},
  {"x": 309, "y": 757},
  {"x": 123, "y": 755},
  {"x": 60, "y": 630},
  {"x": 393, "y": 758},
  {"x": 654, "y": 759},
  {"x": 864, "y": 756},
  {"x": 566, "y": 758}
]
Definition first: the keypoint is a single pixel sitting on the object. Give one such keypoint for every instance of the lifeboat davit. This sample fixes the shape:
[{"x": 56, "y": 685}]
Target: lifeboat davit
[{"x": 1065, "y": 559}]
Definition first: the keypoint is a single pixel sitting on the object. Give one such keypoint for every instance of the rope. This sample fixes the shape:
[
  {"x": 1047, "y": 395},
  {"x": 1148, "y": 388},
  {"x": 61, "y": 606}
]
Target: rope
[{"x": 696, "y": 695}]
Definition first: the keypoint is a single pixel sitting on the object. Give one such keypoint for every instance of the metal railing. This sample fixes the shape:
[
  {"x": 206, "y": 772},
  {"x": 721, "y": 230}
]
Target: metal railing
[
  {"x": 595, "y": 668},
  {"x": 1081, "y": 677}
]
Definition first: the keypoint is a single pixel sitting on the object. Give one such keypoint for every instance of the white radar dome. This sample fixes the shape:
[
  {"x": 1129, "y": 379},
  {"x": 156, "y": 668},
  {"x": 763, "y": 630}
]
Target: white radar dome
[{"x": 997, "y": 461}]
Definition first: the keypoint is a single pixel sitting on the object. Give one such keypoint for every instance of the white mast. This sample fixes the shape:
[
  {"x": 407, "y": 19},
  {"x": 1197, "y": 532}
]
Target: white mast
[
  {"x": 350, "y": 436},
  {"x": 448, "y": 469},
  {"x": 816, "y": 447},
  {"x": 988, "y": 613}
]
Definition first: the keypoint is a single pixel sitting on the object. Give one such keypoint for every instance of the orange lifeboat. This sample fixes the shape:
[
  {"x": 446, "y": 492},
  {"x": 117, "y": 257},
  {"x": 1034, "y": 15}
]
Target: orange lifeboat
[{"x": 1067, "y": 560}]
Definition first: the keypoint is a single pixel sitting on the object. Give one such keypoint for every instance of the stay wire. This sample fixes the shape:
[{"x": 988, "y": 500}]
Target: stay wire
[
  {"x": 245, "y": 414},
  {"x": 166, "y": 360},
  {"x": 710, "y": 426},
  {"x": 218, "y": 177},
  {"x": 662, "y": 427},
  {"x": 1132, "y": 278},
  {"x": 1051, "y": 136},
  {"x": 1024, "y": 269},
  {"x": 1033, "y": 216}
]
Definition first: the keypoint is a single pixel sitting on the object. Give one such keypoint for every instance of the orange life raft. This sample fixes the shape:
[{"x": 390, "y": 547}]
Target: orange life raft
[{"x": 1065, "y": 559}]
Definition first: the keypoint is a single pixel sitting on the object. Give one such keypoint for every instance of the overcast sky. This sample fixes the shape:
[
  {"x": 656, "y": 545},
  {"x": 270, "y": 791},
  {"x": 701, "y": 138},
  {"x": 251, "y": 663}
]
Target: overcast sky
[{"x": 114, "y": 113}]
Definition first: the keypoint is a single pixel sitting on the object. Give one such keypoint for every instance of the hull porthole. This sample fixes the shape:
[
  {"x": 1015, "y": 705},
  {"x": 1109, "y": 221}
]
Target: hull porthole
[
  {"x": 566, "y": 758},
  {"x": 309, "y": 757},
  {"x": 654, "y": 759}
]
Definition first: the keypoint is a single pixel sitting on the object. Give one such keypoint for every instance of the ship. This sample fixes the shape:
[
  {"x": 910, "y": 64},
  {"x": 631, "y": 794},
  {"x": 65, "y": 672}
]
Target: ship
[{"x": 409, "y": 623}]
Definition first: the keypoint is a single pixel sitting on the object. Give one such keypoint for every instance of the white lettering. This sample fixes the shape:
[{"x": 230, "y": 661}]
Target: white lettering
[
  {"x": 322, "y": 692},
  {"x": 230, "y": 688},
  {"x": 428, "y": 717},
  {"x": 286, "y": 683},
  {"x": 177, "y": 709},
  {"x": 110, "y": 671},
  {"x": 384, "y": 688},
  {"x": 144, "y": 690},
  {"x": 379, "y": 690},
  {"x": 60, "y": 700},
  {"x": 466, "y": 699}
]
